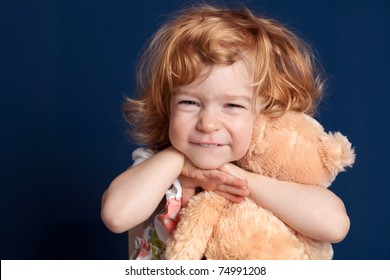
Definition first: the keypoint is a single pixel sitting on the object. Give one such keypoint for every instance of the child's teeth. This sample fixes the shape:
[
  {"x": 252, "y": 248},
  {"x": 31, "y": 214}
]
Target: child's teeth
[{"x": 209, "y": 145}]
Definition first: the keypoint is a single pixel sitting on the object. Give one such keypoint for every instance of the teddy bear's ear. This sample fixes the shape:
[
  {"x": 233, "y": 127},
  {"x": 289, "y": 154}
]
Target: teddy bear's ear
[{"x": 336, "y": 153}]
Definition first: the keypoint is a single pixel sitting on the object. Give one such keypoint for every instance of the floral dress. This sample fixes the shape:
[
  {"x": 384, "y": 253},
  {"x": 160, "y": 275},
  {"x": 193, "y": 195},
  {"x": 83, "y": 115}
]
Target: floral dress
[{"x": 152, "y": 245}]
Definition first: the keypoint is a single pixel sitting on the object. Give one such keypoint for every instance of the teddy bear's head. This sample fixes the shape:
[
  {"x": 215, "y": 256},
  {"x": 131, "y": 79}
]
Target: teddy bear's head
[{"x": 294, "y": 147}]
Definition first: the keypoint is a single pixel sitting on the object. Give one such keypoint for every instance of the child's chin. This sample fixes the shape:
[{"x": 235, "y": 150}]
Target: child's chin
[{"x": 208, "y": 165}]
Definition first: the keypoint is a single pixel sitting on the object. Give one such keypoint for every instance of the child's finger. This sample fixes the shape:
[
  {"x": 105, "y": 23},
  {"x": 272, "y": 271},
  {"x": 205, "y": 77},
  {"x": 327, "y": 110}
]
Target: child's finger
[
  {"x": 233, "y": 190},
  {"x": 229, "y": 196},
  {"x": 186, "y": 196},
  {"x": 234, "y": 181}
]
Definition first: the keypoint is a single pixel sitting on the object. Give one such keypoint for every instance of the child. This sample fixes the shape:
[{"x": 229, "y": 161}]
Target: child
[{"x": 204, "y": 77}]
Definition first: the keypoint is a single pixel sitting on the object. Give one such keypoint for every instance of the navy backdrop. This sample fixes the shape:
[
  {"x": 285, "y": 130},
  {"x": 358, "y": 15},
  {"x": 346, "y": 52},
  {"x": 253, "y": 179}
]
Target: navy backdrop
[{"x": 65, "y": 68}]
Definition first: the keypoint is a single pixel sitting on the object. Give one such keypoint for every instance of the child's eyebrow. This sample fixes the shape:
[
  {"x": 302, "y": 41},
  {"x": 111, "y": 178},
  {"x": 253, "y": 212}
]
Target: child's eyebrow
[
  {"x": 236, "y": 97},
  {"x": 223, "y": 96}
]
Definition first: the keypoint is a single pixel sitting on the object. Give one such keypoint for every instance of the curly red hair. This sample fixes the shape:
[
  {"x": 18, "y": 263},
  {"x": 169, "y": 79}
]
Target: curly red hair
[{"x": 286, "y": 75}]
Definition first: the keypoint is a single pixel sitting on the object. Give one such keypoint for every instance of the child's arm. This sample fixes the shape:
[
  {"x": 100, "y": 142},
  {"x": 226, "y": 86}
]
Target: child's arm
[
  {"x": 135, "y": 194},
  {"x": 311, "y": 210}
]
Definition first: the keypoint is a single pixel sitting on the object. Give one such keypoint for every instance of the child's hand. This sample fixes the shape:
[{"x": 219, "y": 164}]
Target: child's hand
[{"x": 225, "y": 183}]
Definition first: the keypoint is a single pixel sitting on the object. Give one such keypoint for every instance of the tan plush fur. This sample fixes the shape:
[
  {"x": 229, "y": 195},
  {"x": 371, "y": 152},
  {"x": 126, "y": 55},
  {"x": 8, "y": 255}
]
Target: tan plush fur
[{"x": 293, "y": 147}]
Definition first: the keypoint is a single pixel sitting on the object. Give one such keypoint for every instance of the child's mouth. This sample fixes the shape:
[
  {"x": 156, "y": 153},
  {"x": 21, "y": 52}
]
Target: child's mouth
[{"x": 209, "y": 145}]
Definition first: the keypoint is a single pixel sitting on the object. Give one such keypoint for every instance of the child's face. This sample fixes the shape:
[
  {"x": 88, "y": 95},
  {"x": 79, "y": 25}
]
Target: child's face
[{"x": 212, "y": 118}]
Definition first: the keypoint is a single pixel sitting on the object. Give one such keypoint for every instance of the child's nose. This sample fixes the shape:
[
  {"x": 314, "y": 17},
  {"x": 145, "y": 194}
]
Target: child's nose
[{"x": 208, "y": 121}]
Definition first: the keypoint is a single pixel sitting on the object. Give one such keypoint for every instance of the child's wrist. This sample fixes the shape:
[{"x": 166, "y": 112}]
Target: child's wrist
[{"x": 173, "y": 150}]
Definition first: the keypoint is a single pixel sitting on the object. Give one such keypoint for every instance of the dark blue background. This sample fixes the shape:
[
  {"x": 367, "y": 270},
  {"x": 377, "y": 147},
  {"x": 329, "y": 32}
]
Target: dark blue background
[{"x": 65, "y": 68}]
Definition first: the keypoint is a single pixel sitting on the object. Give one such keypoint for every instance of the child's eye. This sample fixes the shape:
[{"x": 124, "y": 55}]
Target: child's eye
[
  {"x": 233, "y": 105},
  {"x": 188, "y": 102}
]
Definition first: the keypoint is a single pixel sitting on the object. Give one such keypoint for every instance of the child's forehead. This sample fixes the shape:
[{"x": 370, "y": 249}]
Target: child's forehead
[
  {"x": 227, "y": 82},
  {"x": 238, "y": 73}
]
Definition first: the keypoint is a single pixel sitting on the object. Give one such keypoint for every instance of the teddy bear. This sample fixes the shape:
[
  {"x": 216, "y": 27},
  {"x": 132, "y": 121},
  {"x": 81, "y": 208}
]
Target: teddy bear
[{"x": 292, "y": 147}]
